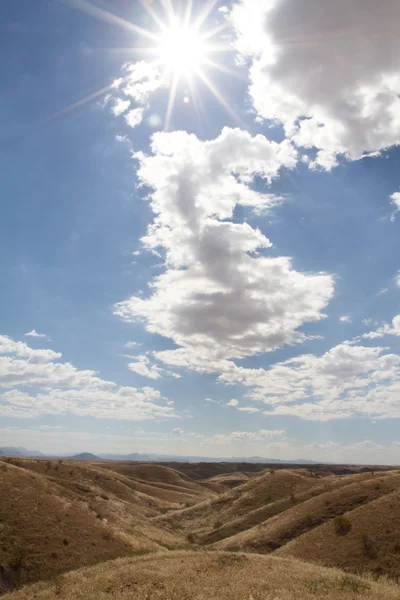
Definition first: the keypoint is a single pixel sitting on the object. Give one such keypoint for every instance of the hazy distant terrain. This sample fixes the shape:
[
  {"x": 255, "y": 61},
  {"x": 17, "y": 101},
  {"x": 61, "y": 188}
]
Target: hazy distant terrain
[{"x": 241, "y": 527}]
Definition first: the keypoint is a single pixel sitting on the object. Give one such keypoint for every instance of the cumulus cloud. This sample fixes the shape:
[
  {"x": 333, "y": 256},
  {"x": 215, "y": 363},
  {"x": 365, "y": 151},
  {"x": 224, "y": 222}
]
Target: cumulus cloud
[
  {"x": 35, "y": 334},
  {"x": 221, "y": 296},
  {"x": 130, "y": 345},
  {"x": 120, "y": 106},
  {"x": 345, "y": 319},
  {"x": 36, "y": 383},
  {"x": 396, "y": 202},
  {"x": 177, "y": 431},
  {"x": 246, "y": 436},
  {"x": 142, "y": 79},
  {"x": 232, "y": 402},
  {"x": 346, "y": 381},
  {"x": 143, "y": 367},
  {"x": 134, "y": 117},
  {"x": 328, "y": 71},
  {"x": 387, "y": 329}
]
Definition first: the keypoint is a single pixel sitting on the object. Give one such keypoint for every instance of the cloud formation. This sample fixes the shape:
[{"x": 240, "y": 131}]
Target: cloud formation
[
  {"x": 33, "y": 333},
  {"x": 60, "y": 388},
  {"x": 221, "y": 296},
  {"x": 328, "y": 71}
]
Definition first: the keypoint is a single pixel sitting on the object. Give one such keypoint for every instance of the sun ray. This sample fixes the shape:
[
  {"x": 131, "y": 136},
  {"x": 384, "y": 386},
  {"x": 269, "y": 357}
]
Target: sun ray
[
  {"x": 220, "y": 98},
  {"x": 212, "y": 32},
  {"x": 171, "y": 100},
  {"x": 153, "y": 14},
  {"x": 170, "y": 12},
  {"x": 109, "y": 17},
  {"x": 188, "y": 14},
  {"x": 204, "y": 14},
  {"x": 223, "y": 69}
]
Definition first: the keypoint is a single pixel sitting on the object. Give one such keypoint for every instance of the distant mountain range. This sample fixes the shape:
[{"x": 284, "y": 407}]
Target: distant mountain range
[
  {"x": 18, "y": 451},
  {"x": 135, "y": 456}
]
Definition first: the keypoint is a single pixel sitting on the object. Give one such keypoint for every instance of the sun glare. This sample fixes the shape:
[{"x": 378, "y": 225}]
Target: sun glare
[{"x": 182, "y": 50}]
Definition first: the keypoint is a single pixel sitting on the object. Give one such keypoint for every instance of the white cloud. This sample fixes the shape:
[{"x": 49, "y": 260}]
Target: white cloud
[
  {"x": 220, "y": 296},
  {"x": 177, "y": 431},
  {"x": 396, "y": 201},
  {"x": 328, "y": 71},
  {"x": 61, "y": 388},
  {"x": 35, "y": 334},
  {"x": 134, "y": 117},
  {"x": 383, "y": 291},
  {"x": 120, "y": 106},
  {"x": 249, "y": 409},
  {"x": 346, "y": 319},
  {"x": 141, "y": 79},
  {"x": 130, "y": 345},
  {"x": 246, "y": 436},
  {"x": 397, "y": 279},
  {"x": 344, "y": 382},
  {"x": 386, "y": 329},
  {"x": 232, "y": 402}
]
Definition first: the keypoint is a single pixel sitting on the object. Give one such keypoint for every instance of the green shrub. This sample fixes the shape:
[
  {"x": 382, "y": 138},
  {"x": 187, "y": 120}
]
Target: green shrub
[
  {"x": 66, "y": 542},
  {"x": 342, "y": 525}
]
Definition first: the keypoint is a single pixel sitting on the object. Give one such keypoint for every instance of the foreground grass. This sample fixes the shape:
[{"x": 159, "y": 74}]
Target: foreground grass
[{"x": 207, "y": 576}]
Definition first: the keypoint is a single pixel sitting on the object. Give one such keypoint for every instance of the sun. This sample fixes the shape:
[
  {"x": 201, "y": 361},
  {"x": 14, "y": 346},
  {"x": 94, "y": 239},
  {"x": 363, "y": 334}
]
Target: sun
[{"x": 182, "y": 50}]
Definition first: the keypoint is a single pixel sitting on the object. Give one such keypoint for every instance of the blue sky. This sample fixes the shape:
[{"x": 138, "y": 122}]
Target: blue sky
[{"x": 218, "y": 279}]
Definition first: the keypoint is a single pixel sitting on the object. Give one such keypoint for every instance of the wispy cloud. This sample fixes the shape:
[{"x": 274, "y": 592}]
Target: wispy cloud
[{"x": 35, "y": 334}]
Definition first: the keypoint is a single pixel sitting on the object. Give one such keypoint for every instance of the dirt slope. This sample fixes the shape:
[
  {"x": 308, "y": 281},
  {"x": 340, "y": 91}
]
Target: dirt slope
[{"x": 207, "y": 576}]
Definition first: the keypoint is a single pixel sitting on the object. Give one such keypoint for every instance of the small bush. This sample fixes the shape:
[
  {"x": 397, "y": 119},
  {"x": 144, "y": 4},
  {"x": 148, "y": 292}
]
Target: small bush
[
  {"x": 98, "y": 516},
  {"x": 190, "y": 538},
  {"x": 66, "y": 542},
  {"x": 272, "y": 471},
  {"x": 4, "y": 548},
  {"x": 293, "y": 498},
  {"x": 4, "y": 467},
  {"x": 342, "y": 525},
  {"x": 397, "y": 547}
]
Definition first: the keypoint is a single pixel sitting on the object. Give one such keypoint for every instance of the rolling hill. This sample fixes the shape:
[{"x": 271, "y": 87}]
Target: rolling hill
[
  {"x": 211, "y": 576},
  {"x": 61, "y": 518}
]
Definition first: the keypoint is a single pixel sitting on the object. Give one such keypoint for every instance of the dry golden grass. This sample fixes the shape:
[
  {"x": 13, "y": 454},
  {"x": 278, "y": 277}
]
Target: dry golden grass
[
  {"x": 60, "y": 515},
  {"x": 160, "y": 482},
  {"x": 60, "y": 523},
  {"x": 48, "y": 528},
  {"x": 240, "y": 501},
  {"x": 371, "y": 545},
  {"x": 207, "y": 576},
  {"x": 303, "y": 517}
]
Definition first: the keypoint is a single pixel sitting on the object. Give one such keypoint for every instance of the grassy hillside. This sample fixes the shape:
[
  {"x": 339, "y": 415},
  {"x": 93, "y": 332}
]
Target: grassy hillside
[
  {"x": 369, "y": 542},
  {"x": 238, "y": 502},
  {"x": 300, "y": 518},
  {"x": 211, "y": 576},
  {"x": 56, "y": 517},
  {"x": 161, "y": 482}
]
